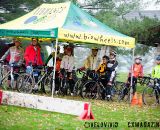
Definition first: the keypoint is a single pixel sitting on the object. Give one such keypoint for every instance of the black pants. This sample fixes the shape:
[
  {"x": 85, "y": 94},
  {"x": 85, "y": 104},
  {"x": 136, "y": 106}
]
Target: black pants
[
  {"x": 57, "y": 81},
  {"x": 134, "y": 83},
  {"x": 70, "y": 81},
  {"x": 107, "y": 89},
  {"x": 16, "y": 70}
]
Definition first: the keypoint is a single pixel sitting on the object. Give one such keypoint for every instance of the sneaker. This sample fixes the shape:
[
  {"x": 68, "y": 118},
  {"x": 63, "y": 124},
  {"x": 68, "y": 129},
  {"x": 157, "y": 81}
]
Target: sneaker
[
  {"x": 71, "y": 94},
  {"x": 56, "y": 92},
  {"x": 108, "y": 97}
]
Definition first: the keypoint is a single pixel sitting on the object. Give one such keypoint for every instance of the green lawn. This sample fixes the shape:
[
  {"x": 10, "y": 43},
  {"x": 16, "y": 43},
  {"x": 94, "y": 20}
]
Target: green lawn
[{"x": 16, "y": 118}]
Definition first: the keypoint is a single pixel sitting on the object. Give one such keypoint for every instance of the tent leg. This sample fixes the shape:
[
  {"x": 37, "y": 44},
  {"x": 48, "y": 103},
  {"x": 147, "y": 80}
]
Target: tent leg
[
  {"x": 54, "y": 71},
  {"x": 131, "y": 85}
]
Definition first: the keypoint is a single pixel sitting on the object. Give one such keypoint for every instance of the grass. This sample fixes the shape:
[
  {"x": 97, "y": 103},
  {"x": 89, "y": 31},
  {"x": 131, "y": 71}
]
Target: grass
[{"x": 17, "y": 118}]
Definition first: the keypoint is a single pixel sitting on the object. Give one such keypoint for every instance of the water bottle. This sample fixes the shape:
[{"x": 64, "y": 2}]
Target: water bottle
[{"x": 29, "y": 69}]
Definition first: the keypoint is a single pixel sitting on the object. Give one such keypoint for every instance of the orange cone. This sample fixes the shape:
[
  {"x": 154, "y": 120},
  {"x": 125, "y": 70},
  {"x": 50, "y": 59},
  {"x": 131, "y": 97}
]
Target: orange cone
[
  {"x": 134, "y": 100},
  {"x": 140, "y": 101},
  {"x": 87, "y": 113}
]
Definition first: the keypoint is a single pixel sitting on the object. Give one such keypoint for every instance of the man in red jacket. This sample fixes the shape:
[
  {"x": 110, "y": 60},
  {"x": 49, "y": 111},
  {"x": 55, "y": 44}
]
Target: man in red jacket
[
  {"x": 32, "y": 54},
  {"x": 33, "y": 57}
]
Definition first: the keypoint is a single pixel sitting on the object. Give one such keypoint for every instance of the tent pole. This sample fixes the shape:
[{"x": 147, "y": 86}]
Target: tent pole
[
  {"x": 131, "y": 90},
  {"x": 54, "y": 72}
]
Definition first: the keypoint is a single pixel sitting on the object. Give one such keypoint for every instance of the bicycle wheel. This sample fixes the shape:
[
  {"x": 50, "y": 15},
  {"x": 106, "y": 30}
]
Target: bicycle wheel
[
  {"x": 77, "y": 87},
  {"x": 47, "y": 85},
  {"x": 13, "y": 83},
  {"x": 4, "y": 78},
  {"x": 89, "y": 90},
  {"x": 149, "y": 96},
  {"x": 124, "y": 93},
  {"x": 63, "y": 87},
  {"x": 25, "y": 83},
  {"x": 114, "y": 93}
]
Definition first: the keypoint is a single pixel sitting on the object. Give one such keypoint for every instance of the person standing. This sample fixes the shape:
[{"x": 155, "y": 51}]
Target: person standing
[
  {"x": 156, "y": 69},
  {"x": 16, "y": 58},
  {"x": 33, "y": 58},
  {"x": 67, "y": 64},
  {"x": 111, "y": 72}
]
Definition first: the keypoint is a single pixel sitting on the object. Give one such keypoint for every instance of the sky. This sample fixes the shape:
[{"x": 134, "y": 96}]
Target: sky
[
  {"x": 151, "y": 5},
  {"x": 148, "y": 4}
]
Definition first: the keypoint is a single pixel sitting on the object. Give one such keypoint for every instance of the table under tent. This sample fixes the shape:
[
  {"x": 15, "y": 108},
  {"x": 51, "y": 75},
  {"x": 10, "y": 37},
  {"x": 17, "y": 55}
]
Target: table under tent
[{"x": 65, "y": 22}]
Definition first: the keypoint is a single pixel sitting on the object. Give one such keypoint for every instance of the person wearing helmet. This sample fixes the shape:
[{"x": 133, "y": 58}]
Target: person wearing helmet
[
  {"x": 156, "y": 69},
  {"x": 16, "y": 53},
  {"x": 67, "y": 65},
  {"x": 92, "y": 61},
  {"x": 101, "y": 70},
  {"x": 137, "y": 73},
  {"x": 111, "y": 72},
  {"x": 16, "y": 58},
  {"x": 32, "y": 54}
]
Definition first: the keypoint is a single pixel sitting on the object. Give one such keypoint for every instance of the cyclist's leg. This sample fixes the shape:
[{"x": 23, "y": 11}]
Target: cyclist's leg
[
  {"x": 110, "y": 79},
  {"x": 127, "y": 85},
  {"x": 71, "y": 82},
  {"x": 103, "y": 81},
  {"x": 107, "y": 87},
  {"x": 104, "y": 90},
  {"x": 134, "y": 84},
  {"x": 9, "y": 81},
  {"x": 36, "y": 79},
  {"x": 16, "y": 75},
  {"x": 57, "y": 82}
]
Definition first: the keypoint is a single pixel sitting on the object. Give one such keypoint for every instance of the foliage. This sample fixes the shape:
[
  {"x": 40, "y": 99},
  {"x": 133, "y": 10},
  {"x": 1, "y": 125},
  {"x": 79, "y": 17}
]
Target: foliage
[{"x": 110, "y": 12}]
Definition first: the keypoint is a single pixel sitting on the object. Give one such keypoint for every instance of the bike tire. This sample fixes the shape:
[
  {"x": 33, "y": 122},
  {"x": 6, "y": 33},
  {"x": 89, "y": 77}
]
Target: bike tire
[
  {"x": 88, "y": 91},
  {"x": 4, "y": 76},
  {"x": 25, "y": 83},
  {"x": 77, "y": 87},
  {"x": 124, "y": 94},
  {"x": 47, "y": 85},
  {"x": 149, "y": 96}
]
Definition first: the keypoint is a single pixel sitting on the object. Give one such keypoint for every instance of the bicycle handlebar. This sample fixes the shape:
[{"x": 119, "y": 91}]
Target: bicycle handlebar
[{"x": 1, "y": 61}]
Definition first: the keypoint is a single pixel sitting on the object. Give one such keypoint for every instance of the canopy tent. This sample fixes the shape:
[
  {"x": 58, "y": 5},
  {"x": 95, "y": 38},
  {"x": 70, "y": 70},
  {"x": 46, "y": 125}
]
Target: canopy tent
[{"x": 65, "y": 21}]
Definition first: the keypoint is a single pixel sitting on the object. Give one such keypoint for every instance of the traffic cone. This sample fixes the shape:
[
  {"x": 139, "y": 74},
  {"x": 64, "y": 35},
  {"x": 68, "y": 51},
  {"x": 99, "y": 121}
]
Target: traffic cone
[
  {"x": 140, "y": 101},
  {"x": 1, "y": 96},
  {"x": 87, "y": 113},
  {"x": 134, "y": 100}
]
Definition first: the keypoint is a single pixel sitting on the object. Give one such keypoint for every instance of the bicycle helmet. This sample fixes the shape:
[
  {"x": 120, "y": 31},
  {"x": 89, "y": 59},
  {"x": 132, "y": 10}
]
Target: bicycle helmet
[
  {"x": 69, "y": 49},
  {"x": 113, "y": 53},
  {"x": 138, "y": 57},
  {"x": 158, "y": 58},
  {"x": 17, "y": 40},
  {"x": 95, "y": 48}
]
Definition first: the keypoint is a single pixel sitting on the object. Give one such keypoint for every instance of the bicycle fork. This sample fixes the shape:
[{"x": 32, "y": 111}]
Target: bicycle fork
[{"x": 12, "y": 78}]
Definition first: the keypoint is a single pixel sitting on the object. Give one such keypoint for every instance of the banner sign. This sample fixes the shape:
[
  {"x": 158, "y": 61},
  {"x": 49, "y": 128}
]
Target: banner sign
[
  {"x": 30, "y": 33},
  {"x": 96, "y": 38}
]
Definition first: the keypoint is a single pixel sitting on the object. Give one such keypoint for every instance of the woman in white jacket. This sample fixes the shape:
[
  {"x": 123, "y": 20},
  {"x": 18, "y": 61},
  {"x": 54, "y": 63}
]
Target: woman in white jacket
[{"x": 67, "y": 64}]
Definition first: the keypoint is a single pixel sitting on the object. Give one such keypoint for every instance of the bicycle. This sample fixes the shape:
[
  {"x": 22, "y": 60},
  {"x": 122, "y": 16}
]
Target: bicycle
[
  {"x": 27, "y": 81},
  {"x": 94, "y": 89},
  {"x": 126, "y": 89},
  {"x": 151, "y": 93},
  {"x": 79, "y": 83},
  {"x": 64, "y": 85},
  {"x": 8, "y": 71}
]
